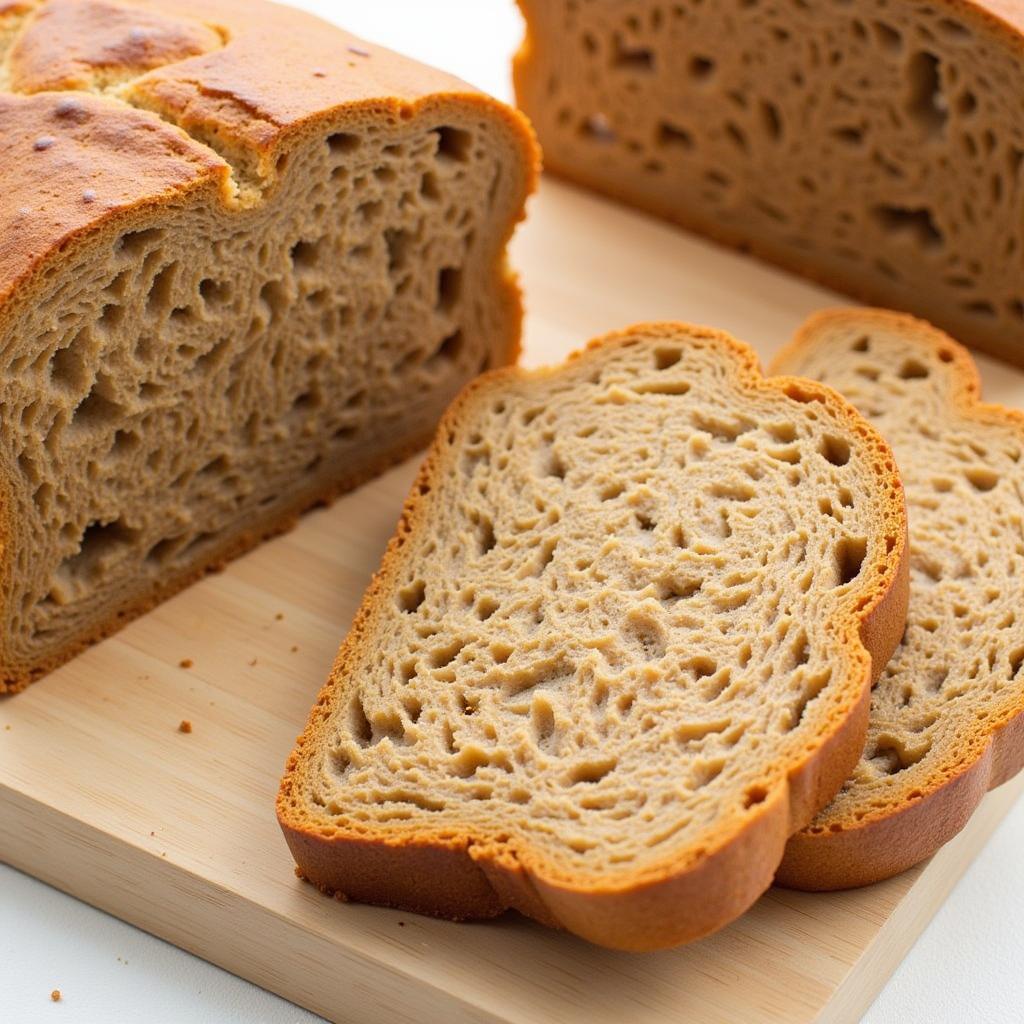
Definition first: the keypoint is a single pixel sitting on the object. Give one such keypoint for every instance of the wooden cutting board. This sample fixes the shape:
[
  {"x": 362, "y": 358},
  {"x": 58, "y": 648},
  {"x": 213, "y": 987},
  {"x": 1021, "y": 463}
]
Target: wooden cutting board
[{"x": 102, "y": 796}]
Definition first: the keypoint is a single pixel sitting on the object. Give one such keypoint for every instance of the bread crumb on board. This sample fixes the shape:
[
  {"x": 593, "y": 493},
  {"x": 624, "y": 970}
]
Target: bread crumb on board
[
  {"x": 279, "y": 616},
  {"x": 185, "y": 726},
  {"x": 186, "y": 663},
  {"x": 55, "y": 995}
]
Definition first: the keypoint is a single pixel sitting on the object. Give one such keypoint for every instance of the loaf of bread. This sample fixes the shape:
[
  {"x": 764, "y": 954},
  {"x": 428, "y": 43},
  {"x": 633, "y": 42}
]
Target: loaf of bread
[
  {"x": 618, "y": 650},
  {"x": 946, "y": 722},
  {"x": 246, "y": 260},
  {"x": 876, "y": 146}
]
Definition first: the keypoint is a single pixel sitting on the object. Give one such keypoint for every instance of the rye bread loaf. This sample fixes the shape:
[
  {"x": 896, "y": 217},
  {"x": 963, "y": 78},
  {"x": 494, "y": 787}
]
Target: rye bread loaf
[
  {"x": 617, "y": 652},
  {"x": 876, "y": 145},
  {"x": 246, "y": 260},
  {"x": 946, "y": 721}
]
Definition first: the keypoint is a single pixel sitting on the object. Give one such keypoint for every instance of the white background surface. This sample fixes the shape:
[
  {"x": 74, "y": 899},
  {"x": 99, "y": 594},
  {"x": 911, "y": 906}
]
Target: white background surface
[{"x": 965, "y": 968}]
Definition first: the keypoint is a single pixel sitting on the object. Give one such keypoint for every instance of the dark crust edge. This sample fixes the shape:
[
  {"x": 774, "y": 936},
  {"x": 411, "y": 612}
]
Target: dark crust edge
[
  {"x": 462, "y": 876},
  {"x": 901, "y": 837}
]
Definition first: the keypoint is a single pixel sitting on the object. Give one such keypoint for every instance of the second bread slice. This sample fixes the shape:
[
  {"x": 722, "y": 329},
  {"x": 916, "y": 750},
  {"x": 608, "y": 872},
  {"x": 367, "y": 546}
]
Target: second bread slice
[
  {"x": 617, "y": 652},
  {"x": 946, "y": 715}
]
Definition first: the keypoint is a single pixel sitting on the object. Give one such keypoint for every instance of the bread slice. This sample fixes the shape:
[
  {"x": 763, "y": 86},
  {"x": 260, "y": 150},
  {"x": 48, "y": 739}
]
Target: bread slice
[
  {"x": 871, "y": 145},
  {"x": 246, "y": 260},
  {"x": 946, "y": 721},
  {"x": 616, "y": 652}
]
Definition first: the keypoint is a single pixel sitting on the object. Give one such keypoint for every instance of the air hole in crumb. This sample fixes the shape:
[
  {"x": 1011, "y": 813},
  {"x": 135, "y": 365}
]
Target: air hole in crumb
[
  {"x": 701, "y": 68},
  {"x": 453, "y": 143},
  {"x": 754, "y": 795},
  {"x": 343, "y": 142},
  {"x": 412, "y": 596},
  {"x": 449, "y": 288},
  {"x": 915, "y": 224},
  {"x": 636, "y": 58},
  {"x": 850, "y": 554},
  {"x": 982, "y": 479},
  {"x": 592, "y": 771},
  {"x": 835, "y": 450},
  {"x": 912, "y": 369},
  {"x": 926, "y": 102}
]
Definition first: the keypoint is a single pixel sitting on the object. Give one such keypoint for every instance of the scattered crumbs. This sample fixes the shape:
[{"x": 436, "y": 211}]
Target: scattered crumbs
[
  {"x": 7, "y": 728},
  {"x": 279, "y": 616},
  {"x": 401, "y": 924},
  {"x": 121, "y": 960},
  {"x": 43, "y": 142},
  {"x": 359, "y": 51},
  {"x": 89, "y": 195},
  {"x": 164, "y": 854},
  {"x": 295, "y": 648},
  {"x": 253, "y": 662},
  {"x": 186, "y": 726},
  {"x": 319, "y": 73},
  {"x": 153, "y": 834},
  {"x": 186, "y": 663},
  {"x": 55, "y": 995}
]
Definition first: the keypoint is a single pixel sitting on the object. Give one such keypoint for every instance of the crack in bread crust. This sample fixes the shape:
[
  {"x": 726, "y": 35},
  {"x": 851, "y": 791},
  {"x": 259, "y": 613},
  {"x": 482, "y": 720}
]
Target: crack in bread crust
[
  {"x": 946, "y": 722},
  {"x": 223, "y": 293},
  {"x": 582, "y": 685}
]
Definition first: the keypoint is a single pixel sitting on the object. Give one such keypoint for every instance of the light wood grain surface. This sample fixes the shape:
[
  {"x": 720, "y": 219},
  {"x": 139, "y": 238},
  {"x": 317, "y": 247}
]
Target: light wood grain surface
[{"x": 102, "y": 796}]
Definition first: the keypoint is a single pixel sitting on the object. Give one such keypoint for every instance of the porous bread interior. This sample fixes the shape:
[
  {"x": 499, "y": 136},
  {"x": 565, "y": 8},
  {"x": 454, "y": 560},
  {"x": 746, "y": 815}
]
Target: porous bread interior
[
  {"x": 875, "y": 145},
  {"x": 172, "y": 388},
  {"x": 960, "y": 667},
  {"x": 613, "y": 623}
]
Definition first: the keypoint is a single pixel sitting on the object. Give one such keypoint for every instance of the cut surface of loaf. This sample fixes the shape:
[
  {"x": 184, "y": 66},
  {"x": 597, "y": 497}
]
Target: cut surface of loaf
[
  {"x": 875, "y": 146},
  {"x": 246, "y": 260},
  {"x": 946, "y": 720},
  {"x": 617, "y": 651}
]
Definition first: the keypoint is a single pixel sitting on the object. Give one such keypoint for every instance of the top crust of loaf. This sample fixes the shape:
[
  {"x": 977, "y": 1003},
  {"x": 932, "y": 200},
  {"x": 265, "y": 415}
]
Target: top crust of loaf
[
  {"x": 879, "y": 831},
  {"x": 238, "y": 81},
  {"x": 463, "y": 872}
]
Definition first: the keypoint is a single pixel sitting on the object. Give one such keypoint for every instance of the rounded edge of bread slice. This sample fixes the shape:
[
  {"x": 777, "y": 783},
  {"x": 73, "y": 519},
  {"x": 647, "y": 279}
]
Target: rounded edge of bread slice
[
  {"x": 846, "y": 853},
  {"x": 462, "y": 876}
]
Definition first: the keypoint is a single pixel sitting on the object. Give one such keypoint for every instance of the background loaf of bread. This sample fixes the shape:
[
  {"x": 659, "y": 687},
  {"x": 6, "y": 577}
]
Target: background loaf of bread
[
  {"x": 245, "y": 261},
  {"x": 877, "y": 146}
]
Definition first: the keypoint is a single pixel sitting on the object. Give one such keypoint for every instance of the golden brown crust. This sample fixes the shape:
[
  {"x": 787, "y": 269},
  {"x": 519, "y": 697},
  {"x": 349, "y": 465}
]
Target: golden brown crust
[
  {"x": 470, "y": 876},
  {"x": 890, "y": 840},
  {"x": 130, "y": 158},
  {"x": 69, "y": 42}
]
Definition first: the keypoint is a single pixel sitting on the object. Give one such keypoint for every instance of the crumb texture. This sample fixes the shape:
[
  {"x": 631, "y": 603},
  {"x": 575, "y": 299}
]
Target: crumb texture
[
  {"x": 958, "y": 674},
  {"x": 874, "y": 145},
  {"x": 616, "y": 617},
  {"x": 238, "y": 330}
]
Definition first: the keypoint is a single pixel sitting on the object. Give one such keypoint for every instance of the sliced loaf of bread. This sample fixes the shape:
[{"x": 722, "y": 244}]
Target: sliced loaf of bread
[
  {"x": 877, "y": 146},
  {"x": 946, "y": 722},
  {"x": 246, "y": 261},
  {"x": 617, "y": 652}
]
